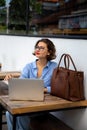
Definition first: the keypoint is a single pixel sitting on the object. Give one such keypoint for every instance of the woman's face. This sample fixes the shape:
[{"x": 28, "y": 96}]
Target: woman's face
[{"x": 41, "y": 50}]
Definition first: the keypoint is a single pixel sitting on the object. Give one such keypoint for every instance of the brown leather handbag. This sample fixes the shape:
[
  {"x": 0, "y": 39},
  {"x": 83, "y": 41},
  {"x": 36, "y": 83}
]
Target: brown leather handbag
[{"x": 67, "y": 83}]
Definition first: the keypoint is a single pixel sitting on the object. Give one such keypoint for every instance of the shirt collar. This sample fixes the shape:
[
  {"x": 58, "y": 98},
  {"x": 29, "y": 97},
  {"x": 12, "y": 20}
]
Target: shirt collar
[{"x": 34, "y": 64}]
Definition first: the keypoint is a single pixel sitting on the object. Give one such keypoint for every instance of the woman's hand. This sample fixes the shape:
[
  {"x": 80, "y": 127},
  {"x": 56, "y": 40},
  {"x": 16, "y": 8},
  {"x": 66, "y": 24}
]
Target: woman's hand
[{"x": 8, "y": 76}]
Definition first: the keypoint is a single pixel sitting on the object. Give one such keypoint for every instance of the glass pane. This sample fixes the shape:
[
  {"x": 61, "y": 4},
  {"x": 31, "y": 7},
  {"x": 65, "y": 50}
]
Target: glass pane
[
  {"x": 13, "y": 16},
  {"x": 2, "y": 16},
  {"x": 43, "y": 17},
  {"x": 66, "y": 17},
  {"x": 17, "y": 17},
  {"x": 44, "y": 21}
]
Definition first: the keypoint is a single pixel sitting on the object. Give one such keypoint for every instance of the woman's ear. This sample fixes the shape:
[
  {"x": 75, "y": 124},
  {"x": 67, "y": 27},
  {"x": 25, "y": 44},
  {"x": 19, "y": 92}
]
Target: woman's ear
[{"x": 49, "y": 52}]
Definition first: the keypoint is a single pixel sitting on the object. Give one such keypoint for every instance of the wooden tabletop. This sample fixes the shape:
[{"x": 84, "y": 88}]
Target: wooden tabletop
[
  {"x": 15, "y": 74},
  {"x": 50, "y": 103}
]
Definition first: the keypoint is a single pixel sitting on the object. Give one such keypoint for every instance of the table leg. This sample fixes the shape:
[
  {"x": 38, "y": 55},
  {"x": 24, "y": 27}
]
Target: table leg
[{"x": 14, "y": 122}]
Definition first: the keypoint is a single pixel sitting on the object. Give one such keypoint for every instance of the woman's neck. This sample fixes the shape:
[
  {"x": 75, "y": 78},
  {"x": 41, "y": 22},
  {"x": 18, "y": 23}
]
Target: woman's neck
[
  {"x": 42, "y": 62},
  {"x": 40, "y": 65}
]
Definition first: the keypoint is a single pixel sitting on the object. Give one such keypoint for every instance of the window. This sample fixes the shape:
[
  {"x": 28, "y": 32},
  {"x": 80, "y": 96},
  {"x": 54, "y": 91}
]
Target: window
[{"x": 43, "y": 17}]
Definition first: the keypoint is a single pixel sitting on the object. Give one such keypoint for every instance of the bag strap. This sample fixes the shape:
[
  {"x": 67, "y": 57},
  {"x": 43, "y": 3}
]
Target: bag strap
[
  {"x": 67, "y": 59},
  {"x": 62, "y": 56},
  {"x": 71, "y": 61}
]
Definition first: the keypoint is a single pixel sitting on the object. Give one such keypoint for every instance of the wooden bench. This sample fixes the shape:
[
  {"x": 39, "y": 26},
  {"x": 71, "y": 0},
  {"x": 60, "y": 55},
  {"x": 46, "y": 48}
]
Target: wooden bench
[
  {"x": 50, "y": 122},
  {"x": 16, "y": 74},
  {"x": 47, "y": 122}
]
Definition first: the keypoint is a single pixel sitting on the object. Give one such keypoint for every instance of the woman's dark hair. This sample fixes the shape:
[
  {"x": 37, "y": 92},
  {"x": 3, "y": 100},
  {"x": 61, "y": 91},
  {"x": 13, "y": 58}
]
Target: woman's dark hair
[{"x": 50, "y": 46}]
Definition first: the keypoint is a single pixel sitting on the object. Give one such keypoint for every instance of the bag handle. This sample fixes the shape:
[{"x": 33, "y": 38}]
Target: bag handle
[
  {"x": 71, "y": 61},
  {"x": 67, "y": 59}
]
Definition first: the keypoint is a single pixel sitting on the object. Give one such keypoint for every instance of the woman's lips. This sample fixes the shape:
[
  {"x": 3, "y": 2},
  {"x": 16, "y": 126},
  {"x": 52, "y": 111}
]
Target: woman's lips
[{"x": 37, "y": 53}]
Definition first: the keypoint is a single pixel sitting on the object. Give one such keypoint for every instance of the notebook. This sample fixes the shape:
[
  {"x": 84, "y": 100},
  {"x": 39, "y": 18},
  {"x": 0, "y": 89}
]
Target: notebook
[{"x": 26, "y": 89}]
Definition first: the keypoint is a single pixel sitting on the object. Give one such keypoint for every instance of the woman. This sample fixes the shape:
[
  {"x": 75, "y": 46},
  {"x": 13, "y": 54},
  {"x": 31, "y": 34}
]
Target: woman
[{"x": 41, "y": 68}]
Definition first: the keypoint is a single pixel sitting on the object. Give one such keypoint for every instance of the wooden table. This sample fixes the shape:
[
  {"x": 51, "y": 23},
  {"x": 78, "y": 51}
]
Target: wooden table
[
  {"x": 50, "y": 103},
  {"x": 15, "y": 74}
]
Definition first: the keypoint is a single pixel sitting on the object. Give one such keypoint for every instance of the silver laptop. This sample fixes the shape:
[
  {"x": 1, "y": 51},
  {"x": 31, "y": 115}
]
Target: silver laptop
[{"x": 26, "y": 89}]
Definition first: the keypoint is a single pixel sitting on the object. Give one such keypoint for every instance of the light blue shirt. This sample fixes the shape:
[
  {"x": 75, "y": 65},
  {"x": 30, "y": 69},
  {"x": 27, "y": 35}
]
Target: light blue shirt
[{"x": 30, "y": 71}]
